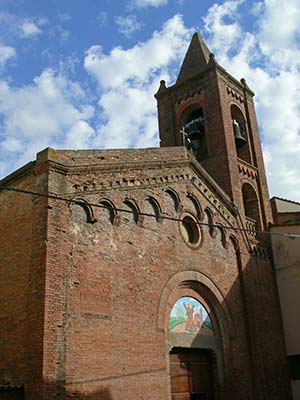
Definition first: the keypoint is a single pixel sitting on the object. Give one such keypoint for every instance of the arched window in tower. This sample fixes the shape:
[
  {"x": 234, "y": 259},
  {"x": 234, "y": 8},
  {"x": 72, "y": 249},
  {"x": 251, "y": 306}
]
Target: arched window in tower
[
  {"x": 251, "y": 208},
  {"x": 193, "y": 126},
  {"x": 239, "y": 129}
]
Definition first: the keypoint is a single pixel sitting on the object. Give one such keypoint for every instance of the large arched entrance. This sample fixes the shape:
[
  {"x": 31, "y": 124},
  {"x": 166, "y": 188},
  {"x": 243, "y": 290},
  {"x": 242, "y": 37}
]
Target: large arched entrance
[
  {"x": 197, "y": 325},
  {"x": 192, "y": 366}
]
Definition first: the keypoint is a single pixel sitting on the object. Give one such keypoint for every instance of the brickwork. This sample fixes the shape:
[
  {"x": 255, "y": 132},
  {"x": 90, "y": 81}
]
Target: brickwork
[
  {"x": 215, "y": 91},
  {"x": 87, "y": 291},
  {"x": 22, "y": 292},
  {"x": 117, "y": 274}
]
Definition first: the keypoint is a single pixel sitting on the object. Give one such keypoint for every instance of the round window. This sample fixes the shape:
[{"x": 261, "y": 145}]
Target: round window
[{"x": 190, "y": 230}]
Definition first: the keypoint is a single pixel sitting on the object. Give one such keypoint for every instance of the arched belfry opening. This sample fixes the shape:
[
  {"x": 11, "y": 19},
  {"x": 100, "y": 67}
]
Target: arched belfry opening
[
  {"x": 251, "y": 208},
  {"x": 193, "y": 128},
  {"x": 239, "y": 130}
]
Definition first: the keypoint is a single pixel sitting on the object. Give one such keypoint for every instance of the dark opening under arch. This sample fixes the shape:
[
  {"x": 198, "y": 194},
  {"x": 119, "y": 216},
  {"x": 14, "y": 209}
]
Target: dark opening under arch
[{"x": 193, "y": 126}]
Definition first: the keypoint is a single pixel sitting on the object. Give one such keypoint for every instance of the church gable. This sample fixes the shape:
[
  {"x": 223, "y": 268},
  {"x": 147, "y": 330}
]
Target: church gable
[{"x": 141, "y": 184}]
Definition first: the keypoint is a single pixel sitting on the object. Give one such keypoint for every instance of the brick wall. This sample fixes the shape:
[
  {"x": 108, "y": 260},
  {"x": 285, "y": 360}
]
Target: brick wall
[
  {"x": 87, "y": 293},
  {"x": 105, "y": 282},
  {"x": 22, "y": 257}
]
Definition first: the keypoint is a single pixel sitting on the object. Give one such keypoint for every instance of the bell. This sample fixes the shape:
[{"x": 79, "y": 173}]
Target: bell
[
  {"x": 194, "y": 139},
  {"x": 194, "y": 126},
  {"x": 238, "y": 132},
  {"x": 194, "y": 130}
]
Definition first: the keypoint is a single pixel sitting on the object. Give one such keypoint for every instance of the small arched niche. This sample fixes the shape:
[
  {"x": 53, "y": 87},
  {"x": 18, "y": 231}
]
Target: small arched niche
[
  {"x": 130, "y": 212},
  {"x": 239, "y": 129},
  {"x": 193, "y": 126},
  {"x": 172, "y": 201},
  {"x": 209, "y": 220},
  {"x": 82, "y": 211},
  {"x": 251, "y": 208},
  {"x": 195, "y": 205},
  {"x": 152, "y": 207},
  {"x": 107, "y": 212}
]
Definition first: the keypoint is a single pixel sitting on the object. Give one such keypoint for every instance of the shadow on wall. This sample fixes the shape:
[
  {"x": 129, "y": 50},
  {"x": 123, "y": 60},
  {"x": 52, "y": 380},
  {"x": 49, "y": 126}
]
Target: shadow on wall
[
  {"x": 248, "y": 361},
  {"x": 56, "y": 390},
  {"x": 100, "y": 394},
  {"x": 8, "y": 393}
]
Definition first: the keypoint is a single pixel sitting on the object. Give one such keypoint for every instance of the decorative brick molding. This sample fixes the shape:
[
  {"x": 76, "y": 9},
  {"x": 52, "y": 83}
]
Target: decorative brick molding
[
  {"x": 247, "y": 170},
  {"x": 233, "y": 93},
  {"x": 209, "y": 292}
]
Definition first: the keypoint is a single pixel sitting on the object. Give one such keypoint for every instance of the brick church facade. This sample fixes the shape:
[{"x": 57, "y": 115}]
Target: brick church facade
[{"x": 101, "y": 278}]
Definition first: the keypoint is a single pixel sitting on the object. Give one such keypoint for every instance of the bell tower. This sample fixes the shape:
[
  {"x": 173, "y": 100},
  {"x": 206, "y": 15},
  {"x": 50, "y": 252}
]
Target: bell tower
[{"x": 212, "y": 114}]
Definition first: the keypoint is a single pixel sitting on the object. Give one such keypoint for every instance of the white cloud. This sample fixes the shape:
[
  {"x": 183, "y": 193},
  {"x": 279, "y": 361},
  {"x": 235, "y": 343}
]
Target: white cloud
[
  {"x": 269, "y": 59},
  {"x": 129, "y": 78},
  {"x": 13, "y": 26},
  {"x": 223, "y": 35},
  {"x": 52, "y": 111},
  {"x": 147, "y": 3},
  {"x": 280, "y": 44},
  {"x": 139, "y": 63},
  {"x": 131, "y": 119},
  {"x": 79, "y": 135},
  {"x": 55, "y": 111},
  {"x": 128, "y": 24},
  {"x": 6, "y": 53},
  {"x": 257, "y": 8},
  {"x": 274, "y": 13},
  {"x": 29, "y": 29}
]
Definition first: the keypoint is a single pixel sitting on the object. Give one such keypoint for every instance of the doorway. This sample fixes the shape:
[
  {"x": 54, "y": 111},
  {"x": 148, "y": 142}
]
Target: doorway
[{"x": 191, "y": 374}]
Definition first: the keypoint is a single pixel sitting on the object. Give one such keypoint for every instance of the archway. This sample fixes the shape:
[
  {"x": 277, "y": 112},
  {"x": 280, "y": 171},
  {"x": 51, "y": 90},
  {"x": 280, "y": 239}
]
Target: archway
[
  {"x": 193, "y": 126},
  {"x": 195, "y": 345},
  {"x": 191, "y": 368},
  {"x": 239, "y": 128},
  {"x": 251, "y": 208}
]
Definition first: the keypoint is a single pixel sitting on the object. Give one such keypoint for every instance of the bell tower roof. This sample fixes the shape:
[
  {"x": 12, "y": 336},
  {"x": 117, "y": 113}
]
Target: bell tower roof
[{"x": 196, "y": 58}]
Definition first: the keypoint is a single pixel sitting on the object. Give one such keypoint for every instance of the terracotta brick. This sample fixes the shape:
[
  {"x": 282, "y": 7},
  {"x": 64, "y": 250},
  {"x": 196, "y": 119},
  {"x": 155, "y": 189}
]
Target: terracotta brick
[{"x": 86, "y": 293}]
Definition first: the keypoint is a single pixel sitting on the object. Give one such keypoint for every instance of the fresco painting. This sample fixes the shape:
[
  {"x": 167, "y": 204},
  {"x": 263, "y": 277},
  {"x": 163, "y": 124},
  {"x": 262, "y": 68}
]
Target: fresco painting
[{"x": 188, "y": 315}]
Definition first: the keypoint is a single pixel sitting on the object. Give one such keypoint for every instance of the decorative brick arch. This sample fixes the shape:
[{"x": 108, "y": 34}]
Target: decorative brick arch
[
  {"x": 251, "y": 203},
  {"x": 155, "y": 204},
  {"x": 196, "y": 284},
  {"x": 88, "y": 209},
  {"x": 184, "y": 107},
  {"x": 174, "y": 196},
  {"x": 196, "y": 203},
  {"x": 108, "y": 205}
]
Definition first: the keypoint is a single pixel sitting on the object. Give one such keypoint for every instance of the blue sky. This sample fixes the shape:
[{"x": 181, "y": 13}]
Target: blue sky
[{"x": 82, "y": 74}]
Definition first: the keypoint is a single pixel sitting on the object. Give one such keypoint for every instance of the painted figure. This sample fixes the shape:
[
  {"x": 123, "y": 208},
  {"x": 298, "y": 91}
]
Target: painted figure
[
  {"x": 190, "y": 321},
  {"x": 198, "y": 319},
  {"x": 190, "y": 316}
]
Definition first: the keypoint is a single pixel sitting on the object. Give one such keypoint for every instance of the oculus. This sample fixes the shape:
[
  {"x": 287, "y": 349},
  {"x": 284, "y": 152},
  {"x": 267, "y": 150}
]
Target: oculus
[{"x": 190, "y": 230}]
